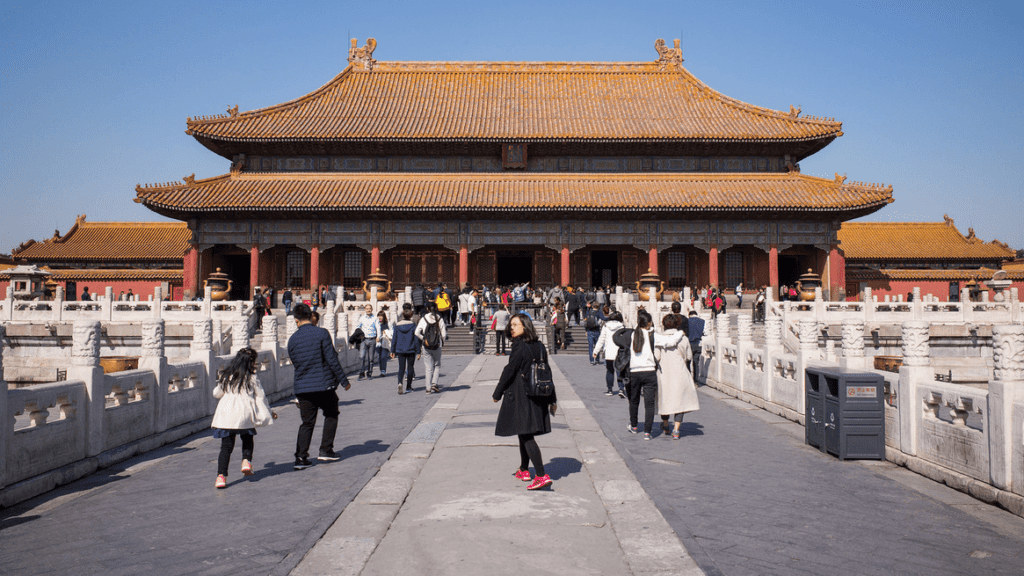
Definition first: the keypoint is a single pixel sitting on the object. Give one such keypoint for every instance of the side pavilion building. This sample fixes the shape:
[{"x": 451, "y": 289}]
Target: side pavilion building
[{"x": 576, "y": 173}]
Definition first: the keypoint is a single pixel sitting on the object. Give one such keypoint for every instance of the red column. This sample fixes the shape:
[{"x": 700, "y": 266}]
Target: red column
[
  {"x": 190, "y": 273},
  {"x": 836, "y": 274},
  {"x": 463, "y": 265},
  {"x": 314, "y": 267},
  {"x": 713, "y": 266},
  {"x": 773, "y": 269},
  {"x": 652, "y": 259},
  {"x": 375, "y": 259},
  {"x": 565, "y": 265},
  {"x": 254, "y": 267}
]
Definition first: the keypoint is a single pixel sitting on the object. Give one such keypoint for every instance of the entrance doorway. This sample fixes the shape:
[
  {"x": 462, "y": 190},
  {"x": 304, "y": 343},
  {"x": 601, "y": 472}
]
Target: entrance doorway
[
  {"x": 514, "y": 268},
  {"x": 237, "y": 268},
  {"x": 605, "y": 267}
]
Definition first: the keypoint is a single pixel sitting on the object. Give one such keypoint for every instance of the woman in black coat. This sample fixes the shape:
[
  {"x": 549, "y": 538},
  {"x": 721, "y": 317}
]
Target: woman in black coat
[{"x": 521, "y": 415}]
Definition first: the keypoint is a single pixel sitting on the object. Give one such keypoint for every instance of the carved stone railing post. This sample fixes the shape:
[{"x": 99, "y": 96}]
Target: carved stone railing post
[
  {"x": 722, "y": 330},
  {"x": 745, "y": 341},
  {"x": 853, "y": 344},
  {"x": 8, "y": 312},
  {"x": 269, "y": 327},
  {"x": 218, "y": 336},
  {"x": 58, "y": 304},
  {"x": 201, "y": 350},
  {"x": 85, "y": 360},
  {"x": 330, "y": 323},
  {"x": 207, "y": 301},
  {"x": 808, "y": 335},
  {"x": 239, "y": 334},
  {"x": 915, "y": 370},
  {"x": 108, "y": 303},
  {"x": 773, "y": 333},
  {"x": 158, "y": 298},
  {"x": 343, "y": 329},
  {"x": 5, "y": 429},
  {"x": 290, "y": 326},
  {"x": 1005, "y": 389},
  {"x": 153, "y": 358}
]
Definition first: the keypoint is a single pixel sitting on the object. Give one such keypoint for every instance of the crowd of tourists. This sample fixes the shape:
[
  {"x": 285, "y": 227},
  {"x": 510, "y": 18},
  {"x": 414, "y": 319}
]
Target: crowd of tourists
[{"x": 644, "y": 363}]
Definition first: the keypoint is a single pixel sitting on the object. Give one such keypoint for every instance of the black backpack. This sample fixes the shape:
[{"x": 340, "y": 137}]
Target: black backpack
[
  {"x": 539, "y": 383},
  {"x": 591, "y": 323},
  {"x": 432, "y": 335},
  {"x": 622, "y": 338}
]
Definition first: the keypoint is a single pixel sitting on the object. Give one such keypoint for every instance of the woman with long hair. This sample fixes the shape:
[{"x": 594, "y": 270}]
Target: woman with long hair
[
  {"x": 521, "y": 415},
  {"x": 643, "y": 369},
  {"x": 676, "y": 391}
]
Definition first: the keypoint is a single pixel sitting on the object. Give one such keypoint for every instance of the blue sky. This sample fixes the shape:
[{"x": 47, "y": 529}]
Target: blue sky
[{"x": 94, "y": 95}]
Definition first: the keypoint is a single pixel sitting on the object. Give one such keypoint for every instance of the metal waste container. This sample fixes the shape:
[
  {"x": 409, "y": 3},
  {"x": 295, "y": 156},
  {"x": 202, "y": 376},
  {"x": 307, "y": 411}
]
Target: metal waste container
[
  {"x": 854, "y": 413},
  {"x": 814, "y": 407}
]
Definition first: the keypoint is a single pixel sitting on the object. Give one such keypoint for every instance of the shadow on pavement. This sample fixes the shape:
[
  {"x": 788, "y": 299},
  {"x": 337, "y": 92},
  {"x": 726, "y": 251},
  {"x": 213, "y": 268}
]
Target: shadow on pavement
[
  {"x": 561, "y": 467},
  {"x": 368, "y": 447}
]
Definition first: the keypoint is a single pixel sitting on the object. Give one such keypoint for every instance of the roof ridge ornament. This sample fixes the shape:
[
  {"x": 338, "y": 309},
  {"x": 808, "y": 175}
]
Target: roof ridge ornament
[
  {"x": 667, "y": 56},
  {"x": 362, "y": 57},
  {"x": 233, "y": 111},
  {"x": 189, "y": 180},
  {"x": 795, "y": 112},
  {"x": 840, "y": 179}
]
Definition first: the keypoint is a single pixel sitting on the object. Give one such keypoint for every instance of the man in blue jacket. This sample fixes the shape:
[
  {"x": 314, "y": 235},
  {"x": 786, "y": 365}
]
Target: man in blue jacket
[
  {"x": 696, "y": 333},
  {"x": 317, "y": 374}
]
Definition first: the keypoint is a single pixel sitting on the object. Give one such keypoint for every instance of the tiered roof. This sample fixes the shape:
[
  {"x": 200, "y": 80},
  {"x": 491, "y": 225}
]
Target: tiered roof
[
  {"x": 658, "y": 101},
  {"x": 520, "y": 192},
  {"x": 916, "y": 241},
  {"x": 110, "y": 242}
]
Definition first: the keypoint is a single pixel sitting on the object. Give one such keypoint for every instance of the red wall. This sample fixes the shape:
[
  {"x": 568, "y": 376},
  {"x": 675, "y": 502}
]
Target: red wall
[{"x": 938, "y": 288}]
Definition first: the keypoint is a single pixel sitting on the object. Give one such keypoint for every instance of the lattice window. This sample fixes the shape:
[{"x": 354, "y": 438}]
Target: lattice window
[
  {"x": 399, "y": 275},
  {"x": 485, "y": 268},
  {"x": 581, "y": 270},
  {"x": 353, "y": 269},
  {"x": 629, "y": 263},
  {"x": 543, "y": 264},
  {"x": 295, "y": 269},
  {"x": 676, "y": 264},
  {"x": 733, "y": 269},
  {"x": 430, "y": 273},
  {"x": 448, "y": 269},
  {"x": 415, "y": 269}
]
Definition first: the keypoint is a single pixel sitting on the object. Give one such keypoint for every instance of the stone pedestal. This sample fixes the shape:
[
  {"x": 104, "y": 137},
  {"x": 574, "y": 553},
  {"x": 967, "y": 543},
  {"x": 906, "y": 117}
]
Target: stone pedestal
[{"x": 914, "y": 369}]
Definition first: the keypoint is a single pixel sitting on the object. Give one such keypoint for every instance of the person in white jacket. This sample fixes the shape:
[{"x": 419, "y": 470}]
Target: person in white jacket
[
  {"x": 243, "y": 406},
  {"x": 604, "y": 344},
  {"x": 677, "y": 394},
  {"x": 643, "y": 366}
]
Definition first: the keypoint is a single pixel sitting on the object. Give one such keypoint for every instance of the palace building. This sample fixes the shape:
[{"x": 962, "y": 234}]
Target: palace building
[{"x": 578, "y": 173}]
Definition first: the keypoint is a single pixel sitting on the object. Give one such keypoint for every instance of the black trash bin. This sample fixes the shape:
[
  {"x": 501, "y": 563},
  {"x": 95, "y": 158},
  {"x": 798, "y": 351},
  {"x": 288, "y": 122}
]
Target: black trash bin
[
  {"x": 814, "y": 409},
  {"x": 854, "y": 413}
]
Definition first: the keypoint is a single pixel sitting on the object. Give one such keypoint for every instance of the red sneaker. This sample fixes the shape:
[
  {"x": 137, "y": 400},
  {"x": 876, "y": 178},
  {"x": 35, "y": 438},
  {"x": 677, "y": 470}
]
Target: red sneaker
[
  {"x": 523, "y": 475},
  {"x": 540, "y": 482},
  {"x": 221, "y": 482}
]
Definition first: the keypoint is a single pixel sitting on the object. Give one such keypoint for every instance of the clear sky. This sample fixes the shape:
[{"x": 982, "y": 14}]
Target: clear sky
[{"x": 94, "y": 95}]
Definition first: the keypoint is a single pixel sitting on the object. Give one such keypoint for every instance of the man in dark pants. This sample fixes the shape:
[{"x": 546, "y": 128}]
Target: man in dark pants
[
  {"x": 592, "y": 322},
  {"x": 696, "y": 332},
  {"x": 317, "y": 374}
]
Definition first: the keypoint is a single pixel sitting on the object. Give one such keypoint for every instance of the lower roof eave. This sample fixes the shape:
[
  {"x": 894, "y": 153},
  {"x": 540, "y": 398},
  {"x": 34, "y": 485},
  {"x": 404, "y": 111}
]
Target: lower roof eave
[{"x": 546, "y": 212}]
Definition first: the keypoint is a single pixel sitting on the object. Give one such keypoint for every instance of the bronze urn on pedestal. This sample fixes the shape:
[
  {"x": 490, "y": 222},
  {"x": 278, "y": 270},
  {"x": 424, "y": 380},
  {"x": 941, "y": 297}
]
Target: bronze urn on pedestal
[
  {"x": 648, "y": 281},
  {"x": 379, "y": 281},
  {"x": 220, "y": 285}
]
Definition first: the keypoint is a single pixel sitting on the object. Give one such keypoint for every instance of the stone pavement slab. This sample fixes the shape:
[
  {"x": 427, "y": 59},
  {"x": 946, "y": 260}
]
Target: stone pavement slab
[
  {"x": 159, "y": 513},
  {"x": 466, "y": 514},
  {"x": 747, "y": 496}
]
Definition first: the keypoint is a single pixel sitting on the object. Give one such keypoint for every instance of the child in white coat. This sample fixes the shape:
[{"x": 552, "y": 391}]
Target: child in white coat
[{"x": 243, "y": 406}]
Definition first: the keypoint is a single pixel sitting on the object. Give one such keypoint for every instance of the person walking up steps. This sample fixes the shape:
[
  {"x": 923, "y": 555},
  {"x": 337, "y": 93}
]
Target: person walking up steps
[
  {"x": 243, "y": 406},
  {"x": 432, "y": 333},
  {"x": 317, "y": 375},
  {"x": 521, "y": 415},
  {"x": 500, "y": 326}
]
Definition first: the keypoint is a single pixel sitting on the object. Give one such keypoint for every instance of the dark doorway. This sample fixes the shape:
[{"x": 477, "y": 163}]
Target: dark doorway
[
  {"x": 237, "y": 269},
  {"x": 605, "y": 266},
  {"x": 514, "y": 270}
]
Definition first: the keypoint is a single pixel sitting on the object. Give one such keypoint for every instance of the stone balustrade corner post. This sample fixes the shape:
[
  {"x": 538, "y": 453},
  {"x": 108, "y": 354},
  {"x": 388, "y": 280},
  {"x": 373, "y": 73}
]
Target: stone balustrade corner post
[
  {"x": 85, "y": 366},
  {"x": 1006, "y": 455},
  {"x": 915, "y": 369}
]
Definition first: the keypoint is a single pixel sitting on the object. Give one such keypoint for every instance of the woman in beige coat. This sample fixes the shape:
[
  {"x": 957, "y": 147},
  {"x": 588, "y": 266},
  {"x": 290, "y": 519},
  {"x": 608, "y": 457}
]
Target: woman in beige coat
[{"x": 677, "y": 394}]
